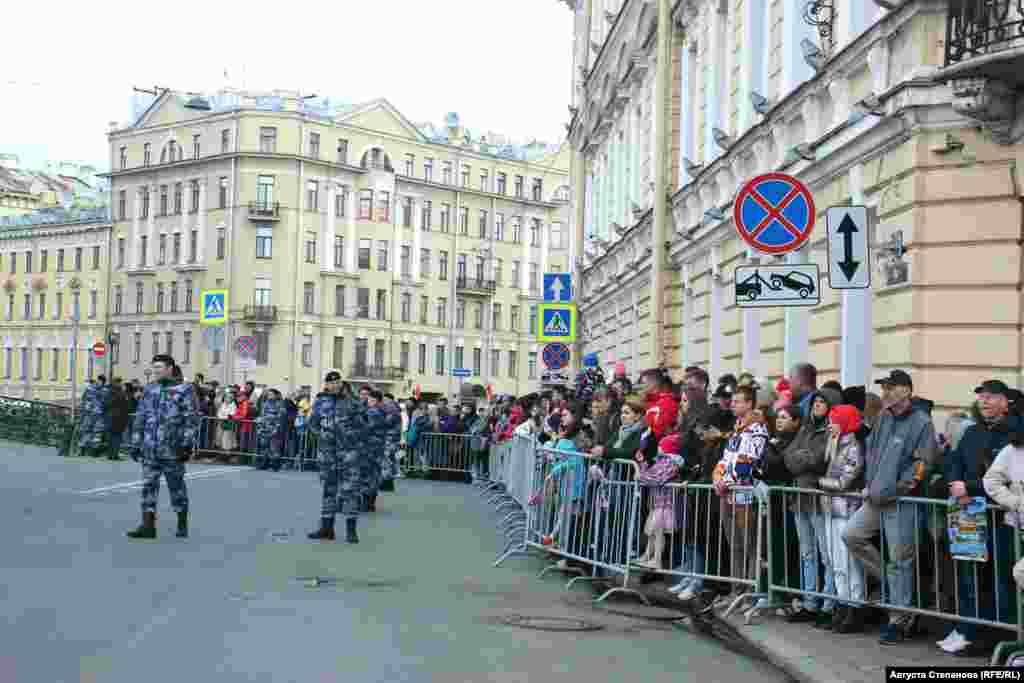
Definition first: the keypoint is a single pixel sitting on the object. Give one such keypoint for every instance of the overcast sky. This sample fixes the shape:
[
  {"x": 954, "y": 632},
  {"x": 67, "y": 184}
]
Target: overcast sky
[{"x": 503, "y": 66}]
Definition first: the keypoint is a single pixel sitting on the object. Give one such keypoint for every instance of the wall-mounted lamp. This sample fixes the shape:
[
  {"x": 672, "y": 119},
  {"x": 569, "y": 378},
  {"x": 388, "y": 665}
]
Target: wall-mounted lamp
[
  {"x": 813, "y": 55},
  {"x": 802, "y": 151},
  {"x": 722, "y": 139},
  {"x": 714, "y": 214},
  {"x": 762, "y": 105},
  {"x": 692, "y": 168}
]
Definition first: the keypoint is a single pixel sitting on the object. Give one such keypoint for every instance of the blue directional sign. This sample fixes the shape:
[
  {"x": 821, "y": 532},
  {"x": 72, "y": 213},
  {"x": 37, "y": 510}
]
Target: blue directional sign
[
  {"x": 774, "y": 213},
  {"x": 591, "y": 360},
  {"x": 557, "y": 288},
  {"x": 461, "y": 372}
]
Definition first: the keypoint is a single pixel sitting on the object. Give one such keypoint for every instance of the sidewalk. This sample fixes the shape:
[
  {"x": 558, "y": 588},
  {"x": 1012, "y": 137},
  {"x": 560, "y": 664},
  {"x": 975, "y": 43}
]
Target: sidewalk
[{"x": 812, "y": 655}]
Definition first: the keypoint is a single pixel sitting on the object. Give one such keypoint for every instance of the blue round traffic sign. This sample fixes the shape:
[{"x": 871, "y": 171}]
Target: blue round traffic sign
[
  {"x": 774, "y": 213},
  {"x": 555, "y": 356}
]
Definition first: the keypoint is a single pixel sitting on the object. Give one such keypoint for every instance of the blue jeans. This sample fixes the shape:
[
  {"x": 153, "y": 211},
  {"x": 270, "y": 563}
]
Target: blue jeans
[
  {"x": 810, "y": 531},
  {"x": 693, "y": 561},
  {"x": 115, "y": 443},
  {"x": 898, "y": 524},
  {"x": 992, "y": 577}
]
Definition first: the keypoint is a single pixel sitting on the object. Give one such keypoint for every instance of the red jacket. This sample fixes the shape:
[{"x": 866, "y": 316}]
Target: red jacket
[
  {"x": 515, "y": 419},
  {"x": 662, "y": 410}
]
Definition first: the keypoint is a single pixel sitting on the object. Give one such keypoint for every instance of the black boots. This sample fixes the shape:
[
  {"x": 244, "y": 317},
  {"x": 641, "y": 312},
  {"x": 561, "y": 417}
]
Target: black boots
[
  {"x": 350, "y": 530},
  {"x": 325, "y": 532},
  {"x": 182, "y": 524},
  {"x": 147, "y": 529},
  {"x": 371, "y": 503},
  {"x": 853, "y": 623}
]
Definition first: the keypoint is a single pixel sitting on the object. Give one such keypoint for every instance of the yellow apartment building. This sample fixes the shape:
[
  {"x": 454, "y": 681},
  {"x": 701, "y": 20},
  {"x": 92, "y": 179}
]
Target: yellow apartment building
[{"x": 347, "y": 237}]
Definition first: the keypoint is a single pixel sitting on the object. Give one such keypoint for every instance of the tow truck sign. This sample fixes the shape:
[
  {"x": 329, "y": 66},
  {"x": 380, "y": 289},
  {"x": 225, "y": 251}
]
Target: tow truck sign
[{"x": 782, "y": 285}]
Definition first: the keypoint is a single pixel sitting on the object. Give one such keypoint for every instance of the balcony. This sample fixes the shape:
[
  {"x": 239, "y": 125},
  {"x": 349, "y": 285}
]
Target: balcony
[
  {"x": 260, "y": 313},
  {"x": 466, "y": 286},
  {"x": 376, "y": 373},
  {"x": 264, "y": 211}
]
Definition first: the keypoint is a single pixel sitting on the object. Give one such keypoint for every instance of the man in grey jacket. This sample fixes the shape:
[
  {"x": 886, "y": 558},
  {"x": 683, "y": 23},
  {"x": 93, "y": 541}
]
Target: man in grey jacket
[{"x": 898, "y": 452}]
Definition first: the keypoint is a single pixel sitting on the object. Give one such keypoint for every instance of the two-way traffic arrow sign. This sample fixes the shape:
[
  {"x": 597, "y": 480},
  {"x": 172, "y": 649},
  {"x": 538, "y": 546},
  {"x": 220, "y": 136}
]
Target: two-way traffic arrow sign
[{"x": 848, "y": 253}]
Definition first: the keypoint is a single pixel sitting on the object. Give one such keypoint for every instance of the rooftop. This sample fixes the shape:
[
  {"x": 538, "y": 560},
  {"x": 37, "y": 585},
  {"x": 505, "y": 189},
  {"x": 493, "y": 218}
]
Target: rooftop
[{"x": 56, "y": 216}]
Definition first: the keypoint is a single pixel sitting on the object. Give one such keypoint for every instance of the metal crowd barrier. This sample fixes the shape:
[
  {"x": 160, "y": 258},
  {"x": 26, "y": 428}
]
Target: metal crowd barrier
[{"x": 436, "y": 452}]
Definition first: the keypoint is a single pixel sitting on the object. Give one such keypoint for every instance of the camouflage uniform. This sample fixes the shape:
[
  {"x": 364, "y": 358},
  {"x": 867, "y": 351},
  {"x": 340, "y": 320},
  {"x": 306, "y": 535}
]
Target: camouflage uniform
[
  {"x": 392, "y": 439},
  {"x": 340, "y": 426},
  {"x": 373, "y": 447},
  {"x": 270, "y": 429},
  {"x": 166, "y": 424},
  {"x": 94, "y": 425}
]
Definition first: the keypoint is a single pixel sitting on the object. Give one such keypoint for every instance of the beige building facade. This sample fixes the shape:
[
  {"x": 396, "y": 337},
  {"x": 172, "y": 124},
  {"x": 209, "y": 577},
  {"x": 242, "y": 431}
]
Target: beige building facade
[
  {"x": 908, "y": 111},
  {"x": 347, "y": 239},
  {"x": 53, "y": 265}
]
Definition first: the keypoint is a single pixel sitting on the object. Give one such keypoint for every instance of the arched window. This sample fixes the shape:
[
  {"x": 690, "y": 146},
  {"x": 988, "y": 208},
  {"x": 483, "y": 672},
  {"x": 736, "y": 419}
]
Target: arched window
[
  {"x": 377, "y": 158},
  {"x": 170, "y": 153}
]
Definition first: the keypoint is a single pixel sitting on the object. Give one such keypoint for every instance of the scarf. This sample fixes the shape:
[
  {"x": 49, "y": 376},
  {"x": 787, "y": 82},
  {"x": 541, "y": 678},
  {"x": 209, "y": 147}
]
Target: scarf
[{"x": 626, "y": 430}]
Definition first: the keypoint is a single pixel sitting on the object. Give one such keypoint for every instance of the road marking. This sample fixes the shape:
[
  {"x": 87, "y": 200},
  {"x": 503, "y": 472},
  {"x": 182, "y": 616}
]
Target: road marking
[{"x": 129, "y": 485}]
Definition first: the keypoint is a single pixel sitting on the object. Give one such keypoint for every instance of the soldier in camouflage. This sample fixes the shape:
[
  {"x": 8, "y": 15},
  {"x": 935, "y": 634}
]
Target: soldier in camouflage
[
  {"x": 162, "y": 438},
  {"x": 270, "y": 430},
  {"x": 94, "y": 424},
  {"x": 377, "y": 424},
  {"x": 392, "y": 442},
  {"x": 338, "y": 419}
]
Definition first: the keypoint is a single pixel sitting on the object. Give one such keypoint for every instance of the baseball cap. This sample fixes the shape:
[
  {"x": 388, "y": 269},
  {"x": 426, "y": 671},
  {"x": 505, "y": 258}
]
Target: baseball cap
[
  {"x": 333, "y": 376},
  {"x": 722, "y": 392},
  {"x": 897, "y": 377},
  {"x": 993, "y": 386}
]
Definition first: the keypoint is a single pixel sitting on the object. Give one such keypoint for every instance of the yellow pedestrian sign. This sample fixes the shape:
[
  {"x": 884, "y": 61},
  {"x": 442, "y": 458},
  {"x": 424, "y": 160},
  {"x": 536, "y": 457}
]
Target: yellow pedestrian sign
[
  {"x": 557, "y": 323},
  {"x": 213, "y": 307}
]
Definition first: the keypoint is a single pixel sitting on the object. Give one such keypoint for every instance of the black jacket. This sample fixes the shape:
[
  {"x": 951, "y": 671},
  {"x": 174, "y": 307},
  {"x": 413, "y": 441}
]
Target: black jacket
[{"x": 978, "y": 447}]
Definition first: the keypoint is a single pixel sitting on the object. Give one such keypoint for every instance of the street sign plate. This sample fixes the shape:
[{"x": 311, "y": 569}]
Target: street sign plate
[
  {"x": 213, "y": 307},
  {"x": 557, "y": 323},
  {"x": 214, "y": 337},
  {"x": 557, "y": 288},
  {"x": 761, "y": 286},
  {"x": 243, "y": 363},
  {"x": 555, "y": 356},
  {"x": 246, "y": 347},
  {"x": 774, "y": 213},
  {"x": 591, "y": 360},
  {"x": 554, "y": 378},
  {"x": 849, "y": 263},
  {"x": 461, "y": 372}
]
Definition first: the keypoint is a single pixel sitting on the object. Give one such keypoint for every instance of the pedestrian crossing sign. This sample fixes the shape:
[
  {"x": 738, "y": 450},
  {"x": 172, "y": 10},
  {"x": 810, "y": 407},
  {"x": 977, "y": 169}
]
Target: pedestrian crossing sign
[
  {"x": 557, "y": 323},
  {"x": 213, "y": 307}
]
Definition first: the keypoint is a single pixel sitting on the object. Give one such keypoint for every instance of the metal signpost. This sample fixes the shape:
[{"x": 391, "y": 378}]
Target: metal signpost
[
  {"x": 849, "y": 265},
  {"x": 764, "y": 286}
]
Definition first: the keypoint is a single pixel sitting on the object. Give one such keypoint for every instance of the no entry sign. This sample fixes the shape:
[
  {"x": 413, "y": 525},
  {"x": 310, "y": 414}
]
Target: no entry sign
[
  {"x": 774, "y": 213},
  {"x": 99, "y": 349}
]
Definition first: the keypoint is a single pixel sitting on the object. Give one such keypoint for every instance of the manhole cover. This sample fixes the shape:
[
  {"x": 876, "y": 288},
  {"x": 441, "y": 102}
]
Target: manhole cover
[{"x": 543, "y": 623}]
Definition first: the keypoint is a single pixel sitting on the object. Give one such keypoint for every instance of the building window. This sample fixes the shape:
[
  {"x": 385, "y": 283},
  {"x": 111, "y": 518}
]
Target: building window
[
  {"x": 406, "y": 307},
  {"x": 144, "y": 208},
  {"x": 262, "y": 346},
  {"x": 312, "y": 195},
  {"x": 382, "y": 304},
  {"x": 222, "y": 192},
  {"x": 499, "y": 227},
  {"x": 501, "y": 184},
  {"x": 118, "y": 300},
  {"x": 339, "y": 301},
  {"x": 513, "y": 364},
  {"x": 439, "y": 359},
  {"x": 407, "y": 212},
  {"x": 460, "y": 314},
  {"x": 338, "y": 352},
  {"x": 534, "y": 278},
  {"x": 28, "y": 261},
  {"x": 484, "y": 182},
  {"x": 177, "y": 198},
  {"x": 124, "y": 158},
  {"x": 193, "y": 246},
  {"x": 187, "y": 355},
  {"x": 365, "y": 205},
  {"x": 307, "y": 350},
  {"x": 262, "y": 297},
  {"x": 383, "y": 207},
  {"x": 531, "y": 365},
  {"x": 532, "y": 331},
  {"x": 424, "y": 263},
  {"x": 225, "y": 141},
  {"x": 516, "y": 281},
  {"x": 78, "y": 259},
  {"x": 422, "y": 364},
  {"x": 342, "y": 151},
  {"x": 139, "y": 297},
  {"x": 314, "y": 145},
  {"x": 498, "y": 268},
  {"x": 143, "y": 250},
  {"x": 446, "y": 215},
  {"x": 482, "y": 227},
  {"x": 537, "y": 189},
  {"x": 478, "y": 316},
  {"x": 55, "y": 364},
  {"x": 268, "y": 140},
  {"x": 160, "y": 297},
  {"x": 194, "y": 192},
  {"x": 174, "y": 297},
  {"x": 122, "y": 204},
  {"x": 424, "y": 308},
  {"x": 519, "y": 186},
  {"x": 465, "y": 175},
  {"x": 188, "y": 296},
  {"x": 310, "y": 247},
  {"x": 161, "y": 256},
  {"x": 264, "y": 242},
  {"x": 169, "y": 343},
  {"x": 121, "y": 246},
  {"x": 8, "y": 361},
  {"x": 477, "y": 361},
  {"x": 24, "y": 364},
  {"x": 495, "y": 362},
  {"x": 163, "y": 201},
  {"x": 425, "y": 218},
  {"x": 308, "y": 298},
  {"x": 442, "y": 309},
  {"x": 14, "y": 263},
  {"x": 339, "y": 252},
  {"x": 363, "y": 303},
  {"x": 460, "y": 267},
  {"x": 365, "y": 245},
  {"x": 176, "y": 248},
  {"x": 93, "y": 303},
  {"x": 265, "y": 192},
  {"x": 382, "y": 256},
  {"x": 442, "y": 265},
  {"x": 403, "y": 356},
  {"x": 446, "y": 173},
  {"x": 147, "y": 154},
  {"x": 495, "y": 316},
  {"x": 464, "y": 220},
  {"x": 360, "y": 360},
  {"x": 513, "y": 321},
  {"x": 95, "y": 258},
  {"x": 58, "y": 306},
  {"x": 10, "y": 306},
  {"x": 137, "y": 348},
  {"x": 221, "y": 243},
  {"x": 28, "y": 307},
  {"x": 410, "y": 164},
  {"x": 405, "y": 262},
  {"x": 459, "y": 361},
  {"x": 534, "y": 232},
  {"x": 557, "y": 236},
  {"x": 156, "y": 343},
  {"x": 195, "y": 146},
  {"x": 517, "y": 229},
  {"x": 42, "y": 306},
  {"x": 428, "y": 170}
]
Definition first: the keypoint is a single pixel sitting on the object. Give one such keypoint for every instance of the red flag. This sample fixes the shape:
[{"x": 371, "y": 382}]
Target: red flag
[
  {"x": 417, "y": 392},
  {"x": 489, "y": 392}
]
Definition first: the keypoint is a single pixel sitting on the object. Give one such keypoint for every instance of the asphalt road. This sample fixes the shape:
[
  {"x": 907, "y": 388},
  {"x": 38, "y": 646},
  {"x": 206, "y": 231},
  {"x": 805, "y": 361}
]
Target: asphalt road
[{"x": 415, "y": 601}]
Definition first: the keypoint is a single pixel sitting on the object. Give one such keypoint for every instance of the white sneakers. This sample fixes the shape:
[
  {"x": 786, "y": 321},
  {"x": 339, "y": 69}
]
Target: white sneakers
[
  {"x": 679, "y": 586},
  {"x": 687, "y": 594},
  {"x": 953, "y": 643}
]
